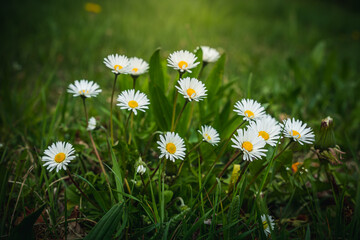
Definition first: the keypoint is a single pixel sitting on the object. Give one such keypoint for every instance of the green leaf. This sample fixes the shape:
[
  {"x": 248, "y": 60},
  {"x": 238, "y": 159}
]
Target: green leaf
[
  {"x": 161, "y": 107},
  {"x": 25, "y": 229},
  {"x": 107, "y": 224},
  {"x": 214, "y": 80}
]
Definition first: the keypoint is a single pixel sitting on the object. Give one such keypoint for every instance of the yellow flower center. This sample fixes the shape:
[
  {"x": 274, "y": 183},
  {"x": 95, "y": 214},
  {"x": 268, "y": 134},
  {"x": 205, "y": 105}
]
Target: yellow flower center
[
  {"x": 135, "y": 69},
  {"x": 83, "y": 91},
  {"x": 191, "y": 92},
  {"x": 207, "y": 137},
  {"x": 171, "y": 148},
  {"x": 264, "y": 135},
  {"x": 248, "y": 146},
  {"x": 133, "y": 104},
  {"x": 249, "y": 114},
  {"x": 265, "y": 224},
  {"x": 183, "y": 64},
  {"x": 118, "y": 67},
  {"x": 59, "y": 157},
  {"x": 296, "y": 133}
]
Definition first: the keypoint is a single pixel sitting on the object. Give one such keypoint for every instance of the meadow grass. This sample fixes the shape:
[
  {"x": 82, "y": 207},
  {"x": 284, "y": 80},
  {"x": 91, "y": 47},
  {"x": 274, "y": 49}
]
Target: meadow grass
[{"x": 300, "y": 58}]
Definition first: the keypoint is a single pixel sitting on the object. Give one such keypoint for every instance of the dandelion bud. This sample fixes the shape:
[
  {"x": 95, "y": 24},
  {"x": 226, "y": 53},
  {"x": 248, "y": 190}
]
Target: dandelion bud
[{"x": 326, "y": 138}]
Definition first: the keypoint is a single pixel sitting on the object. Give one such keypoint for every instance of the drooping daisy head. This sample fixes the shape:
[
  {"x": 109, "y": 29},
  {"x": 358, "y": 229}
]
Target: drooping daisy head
[
  {"x": 141, "y": 169},
  {"x": 210, "y": 55},
  {"x": 192, "y": 89},
  {"x": 91, "y": 124},
  {"x": 182, "y": 60},
  {"x": 117, "y": 63},
  {"x": 58, "y": 156},
  {"x": 132, "y": 101},
  {"x": 210, "y": 135},
  {"x": 250, "y": 143},
  {"x": 137, "y": 66},
  {"x": 84, "y": 88},
  {"x": 268, "y": 222},
  {"x": 172, "y": 146},
  {"x": 249, "y": 109},
  {"x": 268, "y": 128},
  {"x": 298, "y": 131}
]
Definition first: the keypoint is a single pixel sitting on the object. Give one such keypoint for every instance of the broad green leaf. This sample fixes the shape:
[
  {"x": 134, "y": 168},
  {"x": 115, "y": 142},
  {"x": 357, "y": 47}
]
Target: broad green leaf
[
  {"x": 160, "y": 106},
  {"x": 25, "y": 229},
  {"x": 107, "y": 224}
]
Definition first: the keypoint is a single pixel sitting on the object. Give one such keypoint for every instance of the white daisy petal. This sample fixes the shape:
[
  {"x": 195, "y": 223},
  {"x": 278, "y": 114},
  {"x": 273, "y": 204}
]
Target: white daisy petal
[
  {"x": 137, "y": 66},
  {"x": 298, "y": 131},
  {"x": 91, "y": 124},
  {"x": 209, "y": 135},
  {"x": 132, "y": 101},
  {"x": 250, "y": 143},
  {"x": 192, "y": 89},
  {"x": 249, "y": 109},
  {"x": 182, "y": 60},
  {"x": 267, "y": 224},
  {"x": 172, "y": 146},
  {"x": 210, "y": 55},
  {"x": 268, "y": 128},
  {"x": 58, "y": 155},
  {"x": 84, "y": 88},
  {"x": 117, "y": 63},
  {"x": 141, "y": 169}
]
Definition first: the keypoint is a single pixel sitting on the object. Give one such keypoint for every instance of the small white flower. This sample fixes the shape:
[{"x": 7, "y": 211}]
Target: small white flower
[
  {"x": 84, "y": 88},
  {"x": 268, "y": 128},
  {"x": 298, "y": 131},
  {"x": 250, "y": 143},
  {"x": 137, "y": 66},
  {"x": 210, "y": 135},
  {"x": 192, "y": 89},
  {"x": 117, "y": 63},
  {"x": 58, "y": 156},
  {"x": 182, "y": 60},
  {"x": 250, "y": 109},
  {"x": 141, "y": 169},
  {"x": 91, "y": 124},
  {"x": 172, "y": 146},
  {"x": 132, "y": 101},
  {"x": 267, "y": 225},
  {"x": 210, "y": 55}
]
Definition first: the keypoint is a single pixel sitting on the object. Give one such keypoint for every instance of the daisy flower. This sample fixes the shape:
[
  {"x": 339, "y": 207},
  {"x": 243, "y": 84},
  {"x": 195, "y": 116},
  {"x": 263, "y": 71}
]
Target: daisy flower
[
  {"x": 132, "y": 101},
  {"x": 141, "y": 169},
  {"x": 210, "y": 135},
  {"x": 250, "y": 109},
  {"x": 58, "y": 156},
  {"x": 250, "y": 143},
  {"x": 84, "y": 88},
  {"x": 91, "y": 124},
  {"x": 210, "y": 55},
  {"x": 182, "y": 60},
  {"x": 172, "y": 146},
  {"x": 192, "y": 89},
  {"x": 268, "y": 128},
  {"x": 137, "y": 66},
  {"x": 267, "y": 224},
  {"x": 117, "y": 63},
  {"x": 298, "y": 131}
]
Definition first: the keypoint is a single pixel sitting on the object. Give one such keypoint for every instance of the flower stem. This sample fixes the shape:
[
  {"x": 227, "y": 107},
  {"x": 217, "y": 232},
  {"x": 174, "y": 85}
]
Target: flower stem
[
  {"x": 182, "y": 163},
  {"x": 111, "y": 111},
  {"x": 232, "y": 159},
  {"x": 225, "y": 145},
  {"x": 174, "y": 105},
  {"x": 134, "y": 80},
  {"x": 202, "y": 69},
  {"x": 82, "y": 193},
  {"x": 182, "y": 110},
  {"x": 95, "y": 149}
]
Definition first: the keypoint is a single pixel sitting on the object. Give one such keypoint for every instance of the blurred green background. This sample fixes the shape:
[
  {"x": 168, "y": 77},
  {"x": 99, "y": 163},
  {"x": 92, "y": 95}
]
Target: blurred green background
[{"x": 304, "y": 55}]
